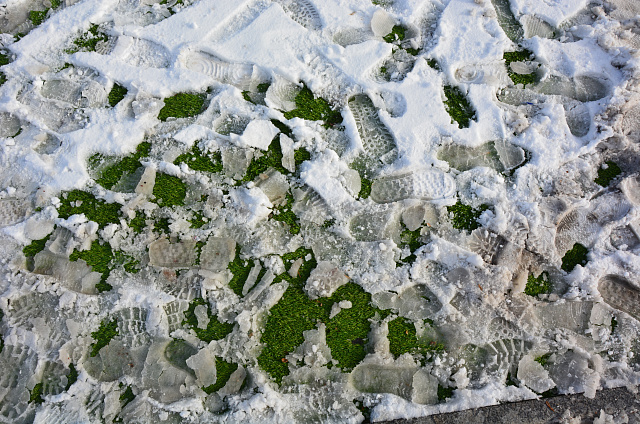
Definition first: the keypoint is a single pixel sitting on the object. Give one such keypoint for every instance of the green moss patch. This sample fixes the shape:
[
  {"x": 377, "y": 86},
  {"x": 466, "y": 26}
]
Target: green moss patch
[
  {"x": 72, "y": 377},
  {"x": 87, "y": 42},
  {"x": 365, "y": 187},
  {"x": 240, "y": 270},
  {"x": 127, "y": 397},
  {"x": 445, "y": 393},
  {"x": 402, "y": 339},
  {"x": 169, "y": 190},
  {"x": 272, "y": 158},
  {"x": 38, "y": 16},
  {"x": 607, "y": 174},
  {"x": 412, "y": 240},
  {"x": 197, "y": 160},
  {"x": 458, "y": 106},
  {"x": 107, "y": 331},
  {"x": 182, "y": 105},
  {"x": 216, "y": 330},
  {"x": 464, "y": 217},
  {"x": 116, "y": 94},
  {"x": 314, "y": 109},
  {"x": 35, "y": 247},
  {"x": 543, "y": 360},
  {"x": 520, "y": 56},
  {"x": 224, "y": 370},
  {"x": 576, "y": 256},
  {"x": 138, "y": 222},
  {"x": 99, "y": 257},
  {"x": 397, "y": 34},
  {"x": 285, "y": 214},
  {"x": 35, "y": 395},
  {"x": 538, "y": 285},
  {"x": 128, "y": 164},
  {"x": 80, "y": 202}
]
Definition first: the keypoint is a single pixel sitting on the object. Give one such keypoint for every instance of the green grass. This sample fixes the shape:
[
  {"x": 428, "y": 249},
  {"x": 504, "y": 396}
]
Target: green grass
[
  {"x": 56, "y": 3},
  {"x": 614, "y": 325},
  {"x": 182, "y": 105},
  {"x": 576, "y": 256},
  {"x": 458, "y": 106},
  {"x": 128, "y": 164},
  {"x": 35, "y": 395},
  {"x": 3, "y": 79},
  {"x": 35, "y": 247},
  {"x": 138, "y": 223},
  {"x": 444, "y": 393},
  {"x": 314, "y": 109},
  {"x": 605, "y": 176},
  {"x": 38, "y": 16},
  {"x": 240, "y": 272},
  {"x": 412, "y": 240},
  {"x": 162, "y": 226},
  {"x": 272, "y": 158},
  {"x": 94, "y": 209},
  {"x": 224, "y": 370},
  {"x": 87, "y": 42},
  {"x": 543, "y": 360},
  {"x": 520, "y": 56},
  {"x": 127, "y": 397},
  {"x": 72, "y": 377},
  {"x": 4, "y": 59},
  {"x": 169, "y": 190},
  {"x": 107, "y": 331},
  {"x": 99, "y": 257},
  {"x": 197, "y": 160},
  {"x": 116, "y": 94},
  {"x": 365, "y": 186},
  {"x": 402, "y": 339},
  {"x": 464, "y": 217},
  {"x": 539, "y": 285},
  {"x": 286, "y": 215},
  {"x": 216, "y": 330},
  {"x": 397, "y": 34},
  {"x": 347, "y": 332}
]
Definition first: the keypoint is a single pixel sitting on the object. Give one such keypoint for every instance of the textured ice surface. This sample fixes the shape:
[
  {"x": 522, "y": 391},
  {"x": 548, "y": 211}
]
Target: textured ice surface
[{"x": 265, "y": 212}]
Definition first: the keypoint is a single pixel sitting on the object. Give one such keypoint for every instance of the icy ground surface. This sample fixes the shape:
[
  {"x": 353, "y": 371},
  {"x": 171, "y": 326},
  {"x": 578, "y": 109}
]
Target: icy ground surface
[{"x": 315, "y": 210}]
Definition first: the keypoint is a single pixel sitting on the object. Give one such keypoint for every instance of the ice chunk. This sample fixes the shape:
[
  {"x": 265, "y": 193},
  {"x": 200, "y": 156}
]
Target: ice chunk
[
  {"x": 147, "y": 181},
  {"x": 9, "y": 125},
  {"x": 427, "y": 184},
  {"x": 373, "y": 225},
  {"x": 132, "y": 327},
  {"x": 202, "y": 315},
  {"x": 236, "y": 161},
  {"x": 235, "y": 382},
  {"x": 583, "y": 88},
  {"x": 165, "y": 254},
  {"x": 413, "y": 217},
  {"x": 533, "y": 375},
  {"x": 18, "y": 364},
  {"x": 203, "y": 364},
  {"x": 62, "y": 90},
  {"x": 507, "y": 21},
  {"x": 258, "y": 133},
  {"x": 382, "y": 23},
  {"x": 572, "y": 316},
  {"x": 534, "y": 26},
  {"x": 288, "y": 159},
  {"x": 161, "y": 377},
  {"x": 425, "y": 388},
  {"x": 621, "y": 294},
  {"x": 177, "y": 352},
  {"x": 578, "y": 118},
  {"x": 494, "y": 74},
  {"x": 464, "y": 158},
  {"x": 217, "y": 253},
  {"x": 281, "y": 94},
  {"x": 274, "y": 185},
  {"x": 374, "y": 378},
  {"x": 324, "y": 280},
  {"x": 13, "y": 211}
]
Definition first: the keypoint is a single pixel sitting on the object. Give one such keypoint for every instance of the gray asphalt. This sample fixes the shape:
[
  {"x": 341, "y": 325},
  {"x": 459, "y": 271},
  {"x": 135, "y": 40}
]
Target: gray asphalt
[{"x": 620, "y": 404}]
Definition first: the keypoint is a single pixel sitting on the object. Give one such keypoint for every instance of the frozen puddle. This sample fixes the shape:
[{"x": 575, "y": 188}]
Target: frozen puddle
[{"x": 304, "y": 211}]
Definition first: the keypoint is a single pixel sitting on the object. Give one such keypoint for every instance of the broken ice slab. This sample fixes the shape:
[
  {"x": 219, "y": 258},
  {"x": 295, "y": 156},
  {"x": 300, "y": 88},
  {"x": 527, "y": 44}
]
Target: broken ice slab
[
  {"x": 231, "y": 124},
  {"x": 620, "y": 294},
  {"x": 510, "y": 156},
  {"x": 394, "y": 379},
  {"x": 583, "y": 88},
  {"x": 624, "y": 237},
  {"x": 310, "y": 206},
  {"x": 631, "y": 119},
  {"x": 274, "y": 185},
  {"x": 235, "y": 162},
  {"x": 533, "y": 375},
  {"x": 504, "y": 355},
  {"x": 281, "y": 94},
  {"x": 631, "y": 189},
  {"x": 624, "y": 9},
  {"x": 578, "y": 117},
  {"x": 376, "y": 139},
  {"x": 62, "y": 90},
  {"x": 534, "y": 26},
  {"x": 18, "y": 363},
  {"x": 163, "y": 253},
  {"x": 9, "y": 125},
  {"x": 217, "y": 253},
  {"x": 572, "y": 228},
  {"x": 13, "y": 211},
  {"x": 54, "y": 378},
  {"x": 303, "y": 12},
  {"x": 507, "y": 21},
  {"x": 374, "y": 225},
  {"x": 382, "y": 23},
  {"x": 242, "y": 75},
  {"x": 76, "y": 276},
  {"x": 115, "y": 361},
  {"x": 234, "y": 383},
  {"x": 416, "y": 302},
  {"x": 324, "y": 280},
  {"x": 161, "y": 377},
  {"x": 464, "y": 158},
  {"x": 132, "y": 327},
  {"x": 573, "y": 316},
  {"x": 288, "y": 153},
  {"x": 572, "y": 374},
  {"x": 203, "y": 364},
  {"x": 177, "y": 352},
  {"x": 426, "y": 184}
]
